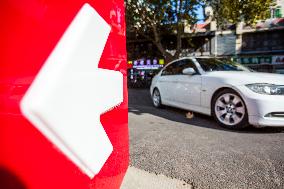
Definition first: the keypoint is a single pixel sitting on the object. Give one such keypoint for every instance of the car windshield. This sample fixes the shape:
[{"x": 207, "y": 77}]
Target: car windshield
[{"x": 213, "y": 64}]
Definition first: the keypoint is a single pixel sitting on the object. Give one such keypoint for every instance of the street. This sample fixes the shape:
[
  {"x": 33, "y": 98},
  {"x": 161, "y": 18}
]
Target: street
[{"x": 199, "y": 152}]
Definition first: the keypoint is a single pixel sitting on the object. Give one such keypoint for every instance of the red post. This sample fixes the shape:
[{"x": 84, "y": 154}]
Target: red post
[{"x": 29, "y": 32}]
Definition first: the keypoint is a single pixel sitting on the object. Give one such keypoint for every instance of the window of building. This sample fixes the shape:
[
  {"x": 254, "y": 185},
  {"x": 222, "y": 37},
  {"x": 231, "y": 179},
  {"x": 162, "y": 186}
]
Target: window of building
[{"x": 278, "y": 12}]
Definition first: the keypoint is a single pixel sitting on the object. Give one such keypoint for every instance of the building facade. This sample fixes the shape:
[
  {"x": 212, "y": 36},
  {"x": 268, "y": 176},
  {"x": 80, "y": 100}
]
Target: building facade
[
  {"x": 260, "y": 47},
  {"x": 277, "y": 10}
]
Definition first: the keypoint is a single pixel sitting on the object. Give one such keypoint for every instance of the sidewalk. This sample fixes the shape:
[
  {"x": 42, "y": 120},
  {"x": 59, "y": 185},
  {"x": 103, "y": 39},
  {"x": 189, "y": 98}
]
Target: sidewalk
[{"x": 140, "y": 179}]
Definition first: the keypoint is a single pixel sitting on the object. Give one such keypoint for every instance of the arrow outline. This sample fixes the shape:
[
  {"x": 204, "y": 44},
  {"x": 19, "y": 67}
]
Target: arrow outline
[{"x": 30, "y": 109}]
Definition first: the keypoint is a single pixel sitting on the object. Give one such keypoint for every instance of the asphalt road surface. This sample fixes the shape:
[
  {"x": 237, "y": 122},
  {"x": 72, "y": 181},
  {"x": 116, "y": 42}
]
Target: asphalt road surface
[{"x": 199, "y": 152}]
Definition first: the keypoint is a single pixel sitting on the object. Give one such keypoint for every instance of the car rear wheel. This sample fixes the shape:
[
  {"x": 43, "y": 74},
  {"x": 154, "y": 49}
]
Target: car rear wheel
[
  {"x": 156, "y": 98},
  {"x": 229, "y": 110}
]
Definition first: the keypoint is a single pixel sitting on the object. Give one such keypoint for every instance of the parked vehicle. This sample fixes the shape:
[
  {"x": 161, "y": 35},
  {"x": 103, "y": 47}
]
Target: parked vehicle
[{"x": 233, "y": 94}]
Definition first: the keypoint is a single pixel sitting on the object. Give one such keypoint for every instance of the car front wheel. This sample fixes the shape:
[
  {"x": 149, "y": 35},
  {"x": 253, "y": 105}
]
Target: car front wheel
[
  {"x": 229, "y": 110},
  {"x": 156, "y": 98}
]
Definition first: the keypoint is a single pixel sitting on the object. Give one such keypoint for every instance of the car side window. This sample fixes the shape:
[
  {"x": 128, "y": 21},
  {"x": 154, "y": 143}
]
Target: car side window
[
  {"x": 171, "y": 69},
  {"x": 176, "y": 68},
  {"x": 186, "y": 63}
]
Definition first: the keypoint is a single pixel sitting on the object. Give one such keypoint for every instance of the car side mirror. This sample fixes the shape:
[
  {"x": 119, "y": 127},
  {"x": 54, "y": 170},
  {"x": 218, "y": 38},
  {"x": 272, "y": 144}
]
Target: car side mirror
[{"x": 188, "y": 71}]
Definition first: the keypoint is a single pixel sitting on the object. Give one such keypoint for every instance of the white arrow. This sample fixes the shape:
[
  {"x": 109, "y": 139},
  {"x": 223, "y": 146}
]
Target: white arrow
[{"x": 70, "y": 93}]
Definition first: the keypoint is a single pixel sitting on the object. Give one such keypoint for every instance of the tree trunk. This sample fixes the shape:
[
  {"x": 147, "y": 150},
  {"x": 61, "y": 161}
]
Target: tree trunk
[
  {"x": 180, "y": 30},
  {"x": 169, "y": 59},
  {"x": 157, "y": 41}
]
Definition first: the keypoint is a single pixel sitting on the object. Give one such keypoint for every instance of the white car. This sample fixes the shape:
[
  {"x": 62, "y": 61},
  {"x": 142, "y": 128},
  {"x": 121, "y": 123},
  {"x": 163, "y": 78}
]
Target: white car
[{"x": 233, "y": 94}]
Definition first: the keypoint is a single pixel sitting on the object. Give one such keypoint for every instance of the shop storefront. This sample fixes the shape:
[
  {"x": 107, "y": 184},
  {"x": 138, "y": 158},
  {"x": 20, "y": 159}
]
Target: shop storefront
[
  {"x": 141, "y": 72},
  {"x": 273, "y": 64}
]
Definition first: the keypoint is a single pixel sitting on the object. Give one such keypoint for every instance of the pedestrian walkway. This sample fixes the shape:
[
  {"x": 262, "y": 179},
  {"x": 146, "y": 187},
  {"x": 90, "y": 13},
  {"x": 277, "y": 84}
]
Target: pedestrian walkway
[{"x": 140, "y": 179}]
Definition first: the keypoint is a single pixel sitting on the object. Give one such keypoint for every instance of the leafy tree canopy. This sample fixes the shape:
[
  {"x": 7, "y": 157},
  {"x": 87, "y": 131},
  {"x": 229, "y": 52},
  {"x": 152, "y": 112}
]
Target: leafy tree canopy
[
  {"x": 154, "y": 18},
  {"x": 234, "y": 11}
]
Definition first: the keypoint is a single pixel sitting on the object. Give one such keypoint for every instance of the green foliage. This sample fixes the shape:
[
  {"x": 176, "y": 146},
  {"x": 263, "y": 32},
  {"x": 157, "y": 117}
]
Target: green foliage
[
  {"x": 144, "y": 13},
  {"x": 153, "y": 19},
  {"x": 234, "y": 11}
]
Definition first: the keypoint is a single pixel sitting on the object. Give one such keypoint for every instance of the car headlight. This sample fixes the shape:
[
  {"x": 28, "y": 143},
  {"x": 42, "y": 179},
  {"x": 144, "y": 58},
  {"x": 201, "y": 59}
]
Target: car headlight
[{"x": 268, "y": 89}]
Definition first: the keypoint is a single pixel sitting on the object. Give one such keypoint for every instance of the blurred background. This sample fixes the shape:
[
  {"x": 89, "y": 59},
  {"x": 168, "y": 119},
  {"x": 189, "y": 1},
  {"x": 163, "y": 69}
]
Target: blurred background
[{"x": 249, "y": 32}]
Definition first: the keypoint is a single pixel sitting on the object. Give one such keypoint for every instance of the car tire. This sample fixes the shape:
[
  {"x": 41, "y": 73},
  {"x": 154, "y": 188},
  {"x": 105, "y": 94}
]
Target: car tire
[
  {"x": 156, "y": 98},
  {"x": 229, "y": 110}
]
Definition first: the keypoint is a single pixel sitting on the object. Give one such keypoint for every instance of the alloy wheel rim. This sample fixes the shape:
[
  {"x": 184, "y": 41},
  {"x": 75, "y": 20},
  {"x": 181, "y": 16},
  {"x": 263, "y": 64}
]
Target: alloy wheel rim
[
  {"x": 156, "y": 98},
  {"x": 230, "y": 109}
]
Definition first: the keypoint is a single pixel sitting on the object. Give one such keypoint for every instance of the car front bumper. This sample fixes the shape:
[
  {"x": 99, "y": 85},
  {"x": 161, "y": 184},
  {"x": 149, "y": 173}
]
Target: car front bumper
[
  {"x": 263, "y": 110},
  {"x": 266, "y": 121}
]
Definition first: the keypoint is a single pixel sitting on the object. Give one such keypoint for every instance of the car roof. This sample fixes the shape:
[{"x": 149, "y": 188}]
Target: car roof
[
  {"x": 194, "y": 57},
  {"x": 194, "y": 60}
]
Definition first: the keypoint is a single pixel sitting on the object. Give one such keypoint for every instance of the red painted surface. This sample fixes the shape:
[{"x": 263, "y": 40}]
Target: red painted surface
[{"x": 29, "y": 31}]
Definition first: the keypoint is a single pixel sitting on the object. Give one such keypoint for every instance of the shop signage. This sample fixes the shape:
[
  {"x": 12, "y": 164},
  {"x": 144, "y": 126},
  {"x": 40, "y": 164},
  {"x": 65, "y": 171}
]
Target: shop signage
[
  {"x": 255, "y": 60},
  {"x": 146, "y": 64},
  {"x": 278, "y": 59}
]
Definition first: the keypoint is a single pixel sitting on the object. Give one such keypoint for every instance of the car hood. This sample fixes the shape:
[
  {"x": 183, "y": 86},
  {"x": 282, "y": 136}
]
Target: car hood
[{"x": 241, "y": 78}]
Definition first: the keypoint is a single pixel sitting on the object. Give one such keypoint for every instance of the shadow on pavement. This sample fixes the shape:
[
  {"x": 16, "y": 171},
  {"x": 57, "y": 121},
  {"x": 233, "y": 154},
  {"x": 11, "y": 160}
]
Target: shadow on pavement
[{"x": 140, "y": 103}]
